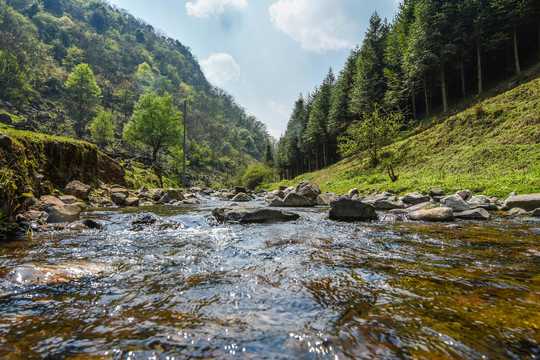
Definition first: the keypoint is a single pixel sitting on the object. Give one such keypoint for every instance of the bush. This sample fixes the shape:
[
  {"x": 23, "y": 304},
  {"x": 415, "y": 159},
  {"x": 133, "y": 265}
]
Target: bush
[{"x": 256, "y": 175}]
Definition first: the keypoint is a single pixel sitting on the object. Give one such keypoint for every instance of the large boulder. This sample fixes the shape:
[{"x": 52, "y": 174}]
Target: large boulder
[
  {"x": 455, "y": 202},
  {"x": 64, "y": 213},
  {"x": 293, "y": 200},
  {"x": 347, "y": 209},
  {"x": 415, "y": 198},
  {"x": 308, "y": 189},
  {"x": 435, "y": 214},
  {"x": 78, "y": 189},
  {"x": 170, "y": 196},
  {"x": 474, "y": 214},
  {"x": 528, "y": 202},
  {"x": 252, "y": 214}
]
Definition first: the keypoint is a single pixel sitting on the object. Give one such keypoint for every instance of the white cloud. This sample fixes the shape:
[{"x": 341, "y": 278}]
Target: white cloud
[
  {"x": 319, "y": 25},
  {"x": 221, "y": 69},
  {"x": 207, "y": 8}
]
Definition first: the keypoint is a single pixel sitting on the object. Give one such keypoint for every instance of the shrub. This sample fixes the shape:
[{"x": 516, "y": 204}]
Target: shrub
[{"x": 256, "y": 175}]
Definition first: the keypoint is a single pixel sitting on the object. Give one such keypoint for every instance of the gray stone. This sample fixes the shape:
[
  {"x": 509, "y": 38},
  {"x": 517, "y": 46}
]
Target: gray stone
[
  {"x": 252, "y": 214},
  {"x": 417, "y": 207},
  {"x": 191, "y": 201},
  {"x": 64, "y": 213},
  {"x": 455, "y": 202},
  {"x": 435, "y": 214},
  {"x": 132, "y": 201},
  {"x": 78, "y": 189},
  {"x": 68, "y": 199},
  {"x": 119, "y": 196},
  {"x": 528, "y": 202},
  {"x": 389, "y": 203},
  {"x": 293, "y": 200},
  {"x": 242, "y": 197},
  {"x": 474, "y": 214},
  {"x": 436, "y": 193},
  {"x": 352, "y": 192},
  {"x": 516, "y": 212},
  {"x": 478, "y": 200},
  {"x": 308, "y": 189},
  {"x": 415, "y": 198},
  {"x": 347, "y": 209},
  {"x": 325, "y": 199},
  {"x": 464, "y": 194}
]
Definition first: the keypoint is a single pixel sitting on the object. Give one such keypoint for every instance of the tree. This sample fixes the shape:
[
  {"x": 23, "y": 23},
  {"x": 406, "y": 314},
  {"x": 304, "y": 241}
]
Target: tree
[
  {"x": 375, "y": 130},
  {"x": 156, "y": 123},
  {"x": 83, "y": 95},
  {"x": 269, "y": 154},
  {"x": 102, "y": 128}
]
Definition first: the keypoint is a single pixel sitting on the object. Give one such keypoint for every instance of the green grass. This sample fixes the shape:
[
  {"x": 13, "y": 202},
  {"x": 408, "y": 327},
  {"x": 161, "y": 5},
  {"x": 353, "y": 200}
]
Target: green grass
[{"x": 492, "y": 148}]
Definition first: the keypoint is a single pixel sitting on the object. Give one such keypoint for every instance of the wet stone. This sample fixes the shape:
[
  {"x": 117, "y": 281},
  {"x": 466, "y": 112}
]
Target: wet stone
[
  {"x": 252, "y": 214},
  {"x": 346, "y": 209}
]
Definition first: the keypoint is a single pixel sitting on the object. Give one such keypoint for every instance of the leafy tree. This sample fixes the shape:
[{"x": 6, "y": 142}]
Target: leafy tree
[
  {"x": 375, "y": 130},
  {"x": 257, "y": 175},
  {"x": 83, "y": 95},
  {"x": 74, "y": 57},
  {"x": 156, "y": 123},
  {"x": 102, "y": 128}
]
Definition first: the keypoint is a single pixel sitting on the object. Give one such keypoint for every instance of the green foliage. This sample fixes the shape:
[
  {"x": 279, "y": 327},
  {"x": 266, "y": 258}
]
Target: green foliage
[
  {"x": 257, "y": 175},
  {"x": 156, "y": 123},
  {"x": 83, "y": 95},
  {"x": 102, "y": 128},
  {"x": 376, "y": 130}
]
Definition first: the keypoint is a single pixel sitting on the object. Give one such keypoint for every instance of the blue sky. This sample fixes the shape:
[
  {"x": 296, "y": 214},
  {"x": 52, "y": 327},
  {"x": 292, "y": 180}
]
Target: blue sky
[{"x": 264, "y": 52}]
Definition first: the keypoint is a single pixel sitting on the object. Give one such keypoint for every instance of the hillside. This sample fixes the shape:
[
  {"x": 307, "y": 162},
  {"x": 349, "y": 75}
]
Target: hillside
[
  {"x": 492, "y": 148},
  {"x": 42, "y": 42}
]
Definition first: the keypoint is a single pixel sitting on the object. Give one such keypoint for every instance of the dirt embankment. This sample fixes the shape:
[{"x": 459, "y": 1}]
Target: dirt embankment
[{"x": 34, "y": 164}]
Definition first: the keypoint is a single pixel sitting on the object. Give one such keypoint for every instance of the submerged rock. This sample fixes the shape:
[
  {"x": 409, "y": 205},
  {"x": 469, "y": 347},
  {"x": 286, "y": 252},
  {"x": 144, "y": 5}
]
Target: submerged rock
[
  {"x": 347, "y": 209},
  {"x": 435, "y": 214},
  {"x": 528, "y": 202},
  {"x": 252, "y": 214}
]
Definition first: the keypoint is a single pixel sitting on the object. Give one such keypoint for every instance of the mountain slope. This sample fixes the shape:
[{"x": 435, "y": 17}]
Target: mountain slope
[
  {"x": 42, "y": 41},
  {"x": 493, "y": 148}
]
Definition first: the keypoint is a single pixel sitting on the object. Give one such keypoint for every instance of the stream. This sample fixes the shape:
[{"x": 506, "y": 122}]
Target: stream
[{"x": 187, "y": 286}]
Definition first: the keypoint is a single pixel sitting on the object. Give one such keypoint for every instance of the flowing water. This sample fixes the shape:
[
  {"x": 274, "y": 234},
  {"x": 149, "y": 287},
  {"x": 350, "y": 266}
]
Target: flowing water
[{"x": 189, "y": 287}]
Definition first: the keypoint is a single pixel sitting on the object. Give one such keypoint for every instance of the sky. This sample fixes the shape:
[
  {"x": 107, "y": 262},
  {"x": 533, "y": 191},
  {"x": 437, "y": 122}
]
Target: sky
[{"x": 264, "y": 52}]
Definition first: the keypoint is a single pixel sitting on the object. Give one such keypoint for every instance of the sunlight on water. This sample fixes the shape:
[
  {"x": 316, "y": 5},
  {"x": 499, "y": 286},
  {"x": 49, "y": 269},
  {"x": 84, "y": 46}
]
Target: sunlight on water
[{"x": 186, "y": 286}]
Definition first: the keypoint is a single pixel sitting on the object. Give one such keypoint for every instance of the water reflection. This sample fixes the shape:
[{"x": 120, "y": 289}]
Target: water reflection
[{"x": 185, "y": 286}]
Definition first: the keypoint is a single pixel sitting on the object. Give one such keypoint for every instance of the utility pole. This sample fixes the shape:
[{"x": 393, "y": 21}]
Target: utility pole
[{"x": 185, "y": 118}]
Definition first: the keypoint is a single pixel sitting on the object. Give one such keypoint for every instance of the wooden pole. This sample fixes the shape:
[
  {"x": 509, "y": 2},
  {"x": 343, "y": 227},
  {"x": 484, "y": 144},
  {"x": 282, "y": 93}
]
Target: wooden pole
[{"x": 185, "y": 118}]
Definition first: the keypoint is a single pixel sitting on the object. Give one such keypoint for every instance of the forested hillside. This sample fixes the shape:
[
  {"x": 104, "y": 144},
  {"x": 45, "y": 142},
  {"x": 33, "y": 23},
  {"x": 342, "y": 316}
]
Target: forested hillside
[
  {"x": 435, "y": 57},
  {"x": 49, "y": 48}
]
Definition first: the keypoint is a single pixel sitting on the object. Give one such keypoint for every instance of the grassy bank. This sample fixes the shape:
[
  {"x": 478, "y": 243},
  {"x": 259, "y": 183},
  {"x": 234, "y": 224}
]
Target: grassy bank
[{"x": 491, "y": 148}]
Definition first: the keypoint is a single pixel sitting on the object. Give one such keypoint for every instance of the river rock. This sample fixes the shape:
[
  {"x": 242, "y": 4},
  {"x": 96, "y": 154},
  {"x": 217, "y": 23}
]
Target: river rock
[
  {"x": 389, "y": 203},
  {"x": 92, "y": 224},
  {"x": 516, "y": 212},
  {"x": 308, "y": 189},
  {"x": 5, "y": 141},
  {"x": 78, "y": 189},
  {"x": 252, "y": 214},
  {"x": 64, "y": 213},
  {"x": 436, "y": 193},
  {"x": 132, "y": 201},
  {"x": 464, "y": 194},
  {"x": 435, "y": 214},
  {"x": 528, "y": 202},
  {"x": 352, "y": 192},
  {"x": 415, "y": 198},
  {"x": 417, "y": 207},
  {"x": 239, "y": 190},
  {"x": 325, "y": 199},
  {"x": 292, "y": 200},
  {"x": 347, "y": 209},
  {"x": 478, "y": 200},
  {"x": 191, "y": 201},
  {"x": 242, "y": 197},
  {"x": 455, "y": 202},
  {"x": 474, "y": 214},
  {"x": 68, "y": 199}
]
